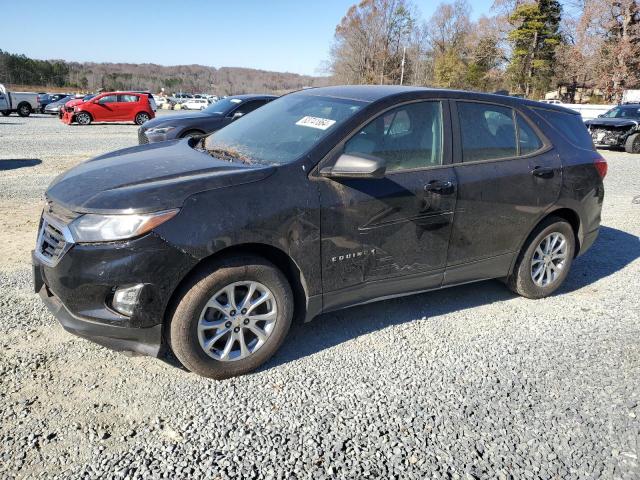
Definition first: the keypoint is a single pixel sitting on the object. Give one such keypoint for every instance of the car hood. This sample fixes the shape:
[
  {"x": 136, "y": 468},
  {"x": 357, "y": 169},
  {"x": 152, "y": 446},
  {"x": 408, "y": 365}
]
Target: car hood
[
  {"x": 612, "y": 122},
  {"x": 73, "y": 103},
  {"x": 147, "y": 178},
  {"x": 182, "y": 119}
]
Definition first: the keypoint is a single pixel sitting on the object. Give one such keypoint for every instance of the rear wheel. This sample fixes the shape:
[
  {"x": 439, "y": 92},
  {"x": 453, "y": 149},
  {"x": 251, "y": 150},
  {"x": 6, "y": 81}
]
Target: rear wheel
[
  {"x": 24, "y": 109},
  {"x": 632, "y": 144},
  {"x": 545, "y": 259},
  {"x": 141, "y": 118},
  {"x": 83, "y": 118},
  {"x": 232, "y": 317}
]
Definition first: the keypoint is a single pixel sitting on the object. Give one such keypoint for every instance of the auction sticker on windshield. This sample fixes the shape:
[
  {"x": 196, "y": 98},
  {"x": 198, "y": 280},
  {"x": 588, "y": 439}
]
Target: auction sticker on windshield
[{"x": 315, "y": 122}]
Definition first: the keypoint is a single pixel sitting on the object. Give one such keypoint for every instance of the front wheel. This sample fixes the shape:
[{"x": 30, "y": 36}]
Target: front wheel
[
  {"x": 231, "y": 318},
  {"x": 632, "y": 144},
  {"x": 6, "y": 113},
  {"x": 83, "y": 118},
  {"x": 141, "y": 118},
  {"x": 545, "y": 260}
]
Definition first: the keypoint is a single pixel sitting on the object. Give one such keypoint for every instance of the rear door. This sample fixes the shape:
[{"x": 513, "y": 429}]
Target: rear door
[
  {"x": 127, "y": 106},
  {"x": 391, "y": 233},
  {"x": 508, "y": 176}
]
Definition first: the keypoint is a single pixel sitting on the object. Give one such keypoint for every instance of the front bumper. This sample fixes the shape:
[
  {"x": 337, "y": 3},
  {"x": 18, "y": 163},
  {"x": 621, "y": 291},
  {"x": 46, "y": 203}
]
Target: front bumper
[
  {"x": 79, "y": 288},
  {"x": 145, "y": 341}
]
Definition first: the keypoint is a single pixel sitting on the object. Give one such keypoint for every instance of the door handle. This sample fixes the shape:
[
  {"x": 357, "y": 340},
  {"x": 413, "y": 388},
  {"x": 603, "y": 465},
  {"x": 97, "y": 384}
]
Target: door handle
[
  {"x": 542, "y": 172},
  {"x": 437, "y": 186}
]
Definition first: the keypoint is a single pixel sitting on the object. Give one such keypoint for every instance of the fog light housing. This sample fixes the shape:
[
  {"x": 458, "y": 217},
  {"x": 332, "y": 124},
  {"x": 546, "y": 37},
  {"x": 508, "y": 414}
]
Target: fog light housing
[{"x": 126, "y": 298}]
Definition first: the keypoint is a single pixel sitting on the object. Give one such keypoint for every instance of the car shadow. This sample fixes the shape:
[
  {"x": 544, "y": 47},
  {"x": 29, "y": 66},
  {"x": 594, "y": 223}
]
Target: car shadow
[
  {"x": 14, "y": 164},
  {"x": 614, "y": 249}
]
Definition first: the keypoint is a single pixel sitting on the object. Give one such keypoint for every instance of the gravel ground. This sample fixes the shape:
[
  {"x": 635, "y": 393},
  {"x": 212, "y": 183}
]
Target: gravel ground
[{"x": 469, "y": 382}]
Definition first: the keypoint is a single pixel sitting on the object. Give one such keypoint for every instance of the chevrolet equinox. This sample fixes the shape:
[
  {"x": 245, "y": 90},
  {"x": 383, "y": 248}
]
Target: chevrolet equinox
[{"x": 322, "y": 199}]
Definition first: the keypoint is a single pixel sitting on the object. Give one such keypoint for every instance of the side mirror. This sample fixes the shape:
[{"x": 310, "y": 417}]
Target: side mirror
[
  {"x": 237, "y": 115},
  {"x": 357, "y": 165}
]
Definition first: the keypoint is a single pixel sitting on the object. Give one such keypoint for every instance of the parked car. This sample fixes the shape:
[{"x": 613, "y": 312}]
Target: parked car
[
  {"x": 47, "y": 98},
  {"x": 619, "y": 127},
  {"x": 212, "y": 118},
  {"x": 54, "y": 108},
  {"x": 112, "y": 107},
  {"x": 195, "y": 104},
  {"x": 323, "y": 199},
  {"x": 552, "y": 102},
  {"x": 24, "y": 103},
  {"x": 68, "y": 109}
]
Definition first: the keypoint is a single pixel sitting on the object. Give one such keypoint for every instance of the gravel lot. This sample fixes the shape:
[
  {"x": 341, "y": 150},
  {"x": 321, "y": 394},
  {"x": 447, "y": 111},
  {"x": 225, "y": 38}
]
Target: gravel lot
[{"x": 469, "y": 382}]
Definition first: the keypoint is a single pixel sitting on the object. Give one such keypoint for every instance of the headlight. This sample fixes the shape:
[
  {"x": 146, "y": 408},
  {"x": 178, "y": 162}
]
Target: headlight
[
  {"x": 108, "y": 228},
  {"x": 159, "y": 130}
]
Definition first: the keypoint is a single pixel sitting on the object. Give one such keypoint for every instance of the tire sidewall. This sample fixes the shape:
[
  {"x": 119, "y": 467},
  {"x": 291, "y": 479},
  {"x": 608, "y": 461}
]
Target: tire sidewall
[
  {"x": 24, "y": 110},
  {"x": 139, "y": 116},
  {"x": 183, "y": 328},
  {"x": 632, "y": 144},
  {"x": 525, "y": 284},
  {"x": 83, "y": 115}
]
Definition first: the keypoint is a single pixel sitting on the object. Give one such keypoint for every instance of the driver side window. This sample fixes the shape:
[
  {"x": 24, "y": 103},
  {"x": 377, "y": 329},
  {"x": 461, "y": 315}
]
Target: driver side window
[
  {"x": 108, "y": 99},
  {"x": 407, "y": 137}
]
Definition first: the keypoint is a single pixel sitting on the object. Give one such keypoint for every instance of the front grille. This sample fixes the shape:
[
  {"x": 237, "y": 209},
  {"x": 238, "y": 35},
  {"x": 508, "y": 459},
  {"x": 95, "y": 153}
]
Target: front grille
[
  {"x": 54, "y": 240},
  {"x": 142, "y": 138}
]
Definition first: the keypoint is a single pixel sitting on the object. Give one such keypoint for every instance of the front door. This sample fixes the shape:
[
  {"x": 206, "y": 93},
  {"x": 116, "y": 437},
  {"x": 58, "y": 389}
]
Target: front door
[
  {"x": 389, "y": 236},
  {"x": 508, "y": 176},
  {"x": 105, "y": 109},
  {"x": 4, "y": 99}
]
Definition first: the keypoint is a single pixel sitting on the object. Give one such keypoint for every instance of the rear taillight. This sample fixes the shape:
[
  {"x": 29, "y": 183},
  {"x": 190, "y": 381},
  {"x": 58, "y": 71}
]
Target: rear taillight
[{"x": 601, "y": 166}]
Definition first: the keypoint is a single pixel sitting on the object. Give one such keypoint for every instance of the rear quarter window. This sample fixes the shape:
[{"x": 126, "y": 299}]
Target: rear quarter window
[{"x": 570, "y": 126}]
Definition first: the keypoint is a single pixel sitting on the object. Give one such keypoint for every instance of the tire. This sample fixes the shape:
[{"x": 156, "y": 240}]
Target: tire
[
  {"x": 6, "y": 113},
  {"x": 632, "y": 144},
  {"x": 521, "y": 280},
  {"x": 188, "y": 340},
  {"x": 141, "y": 118},
  {"x": 24, "y": 110},
  {"x": 83, "y": 118},
  {"x": 191, "y": 133}
]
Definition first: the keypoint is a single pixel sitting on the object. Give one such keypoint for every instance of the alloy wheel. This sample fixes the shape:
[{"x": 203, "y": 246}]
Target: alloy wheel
[
  {"x": 549, "y": 259},
  {"x": 237, "y": 321}
]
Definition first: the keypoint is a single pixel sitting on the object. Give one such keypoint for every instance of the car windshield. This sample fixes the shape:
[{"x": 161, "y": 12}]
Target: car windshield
[
  {"x": 88, "y": 97},
  {"x": 623, "y": 112},
  {"x": 283, "y": 130},
  {"x": 222, "y": 107}
]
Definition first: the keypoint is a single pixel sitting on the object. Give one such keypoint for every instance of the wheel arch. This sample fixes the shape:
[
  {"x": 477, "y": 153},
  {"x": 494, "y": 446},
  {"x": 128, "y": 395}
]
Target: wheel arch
[
  {"x": 275, "y": 255},
  {"x": 192, "y": 130},
  {"x": 571, "y": 216}
]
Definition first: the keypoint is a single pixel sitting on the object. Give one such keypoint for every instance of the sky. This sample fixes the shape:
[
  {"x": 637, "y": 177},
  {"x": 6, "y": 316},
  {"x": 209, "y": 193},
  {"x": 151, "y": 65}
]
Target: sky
[{"x": 278, "y": 35}]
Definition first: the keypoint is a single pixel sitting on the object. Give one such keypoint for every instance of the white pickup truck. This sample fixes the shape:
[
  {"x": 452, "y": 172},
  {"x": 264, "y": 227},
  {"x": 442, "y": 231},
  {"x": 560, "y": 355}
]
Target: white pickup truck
[{"x": 24, "y": 103}]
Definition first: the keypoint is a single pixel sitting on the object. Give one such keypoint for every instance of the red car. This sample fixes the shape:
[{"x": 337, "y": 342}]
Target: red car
[{"x": 111, "y": 107}]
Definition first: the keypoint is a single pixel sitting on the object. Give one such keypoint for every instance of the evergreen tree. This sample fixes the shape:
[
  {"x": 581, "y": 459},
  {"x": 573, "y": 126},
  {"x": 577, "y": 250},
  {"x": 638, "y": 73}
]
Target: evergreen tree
[{"x": 533, "y": 41}]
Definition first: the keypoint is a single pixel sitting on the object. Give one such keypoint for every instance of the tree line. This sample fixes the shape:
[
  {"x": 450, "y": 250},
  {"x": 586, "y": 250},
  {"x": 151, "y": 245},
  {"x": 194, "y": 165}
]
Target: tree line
[
  {"x": 87, "y": 76},
  {"x": 526, "y": 47}
]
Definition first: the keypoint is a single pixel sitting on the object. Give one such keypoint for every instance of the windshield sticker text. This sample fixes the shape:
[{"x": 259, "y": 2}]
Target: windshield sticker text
[{"x": 315, "y": 122}]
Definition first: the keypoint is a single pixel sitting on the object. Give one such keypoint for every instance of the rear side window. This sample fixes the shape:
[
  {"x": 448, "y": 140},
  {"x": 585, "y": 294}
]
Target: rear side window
[
  {"x": 488, "y": 131},
  {"x": 528, "y": 141},
  {"x": 127, "y": 98},
  {"x": 570, "y": 126}
]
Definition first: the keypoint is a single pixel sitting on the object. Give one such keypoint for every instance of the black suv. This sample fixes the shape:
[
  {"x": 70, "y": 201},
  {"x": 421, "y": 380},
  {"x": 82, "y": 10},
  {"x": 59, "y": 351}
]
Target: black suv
[
  {"x": 322, "y": 199},
  {"x": 619, "y": 127}
]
